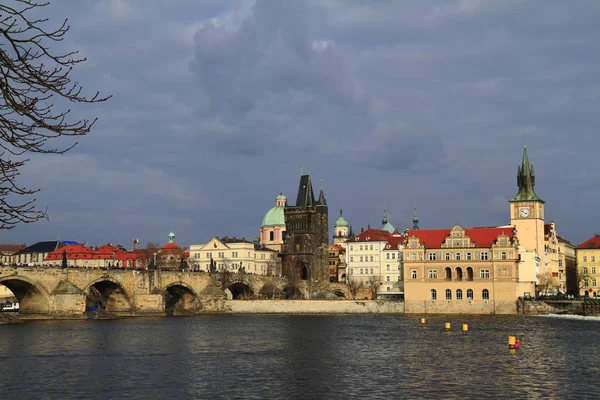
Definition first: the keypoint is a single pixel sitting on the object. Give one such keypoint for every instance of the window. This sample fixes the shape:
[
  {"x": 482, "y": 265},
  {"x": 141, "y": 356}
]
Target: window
[
  {"x": 361, "y": 270},
  {"x": 393, "y": 256},
  {"x": 360, "y": 247},
  {"x": 593, "y": 270},
  {"x": 485, "y": 294},
  {"x": 503, "y": 255},
  {"x": 387, "y": 256},
  {"x": 221, "y": 254},
  {"x": 351, "y": 248},
  {"x": 388, "y": 278},
  {"x": 593, "y": 282},
  {"x": 413, "y": 274},
  {"x": 351, "y": 259},
  {"x": 484, "y": 273},
  {"x": 388, "y": 267},
  {"x": 458, "y": 294},
  {"x": 468, "y": 256},
  {"x": 433, "y": 294},
  {"x": 371, "y": 258},
  {"x": 432, "y": 274},
  {"x": 448, "y": 294},
  {"x": 586, "y": 282},
  {"x": 371, "y": 270},
  {"x": 413, "y": 256},
  {"x": 432, "y": 256},
  {"x": 361, "y": 258},
  {"x": 459, "y": 273},
  {"x": 592, "y": 258},
  {"x": 560, "y": 264},
  {"x": 585, "y": 270},
  {"x": 208, "y": 255},
  {"x": 584, "y": 258},
  {"x": 234, "y": 254},
  {"x": 370, "y": 247},
  {"x": 262, "y": 256},
  {"x": 457, "y": 257},
  {"x": 271, "y": 236},
  {"x": 484, "y": 255},
  {"x": 469, "y": 294},
  {"x": 389, "y": 289},
  {"x": 447, "y": 256},
  {"x": 448, "y": 273}
]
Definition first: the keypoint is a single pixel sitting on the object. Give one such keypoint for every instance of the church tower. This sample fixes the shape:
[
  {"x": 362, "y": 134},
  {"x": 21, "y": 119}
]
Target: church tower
[
  {"x": 341, "y": 229},
  {"x": 527, "y": 210},
  {"x": 307, "y": 234}
]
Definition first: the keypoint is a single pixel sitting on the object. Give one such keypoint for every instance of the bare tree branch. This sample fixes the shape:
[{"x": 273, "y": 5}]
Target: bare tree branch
[{"x": 32, "y": 78}]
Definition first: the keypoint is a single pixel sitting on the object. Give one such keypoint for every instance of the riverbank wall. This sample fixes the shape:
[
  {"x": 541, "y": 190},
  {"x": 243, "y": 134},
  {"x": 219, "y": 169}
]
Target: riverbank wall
[
  {"x": 543, "y": 307},
  {"x": 315, "y": 307}
]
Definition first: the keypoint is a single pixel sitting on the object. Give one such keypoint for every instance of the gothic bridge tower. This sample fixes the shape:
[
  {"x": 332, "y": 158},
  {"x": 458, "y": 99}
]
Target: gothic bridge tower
[{"x": 307, "y": 234}]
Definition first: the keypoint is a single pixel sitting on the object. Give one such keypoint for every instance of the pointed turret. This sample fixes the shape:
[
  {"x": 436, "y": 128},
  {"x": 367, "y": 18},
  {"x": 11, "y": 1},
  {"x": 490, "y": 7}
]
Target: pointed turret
[
  {"x": 306, "y": 197},
  {"x": 415, "y": 220},
  {"x": 526, "y": 180}
]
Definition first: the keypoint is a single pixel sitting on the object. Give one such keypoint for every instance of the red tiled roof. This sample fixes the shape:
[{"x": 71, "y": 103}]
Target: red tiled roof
[
  {"x": 482, "y": 237},
  {"x": 377, "y": 235},
  {"x": 337, "y": 247},
  {"x": 592, "y": 243}
]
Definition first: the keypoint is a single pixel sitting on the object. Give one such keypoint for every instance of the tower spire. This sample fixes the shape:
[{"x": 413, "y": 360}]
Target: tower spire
[
  {"x": 415, "y": 220},
  {"x": 525, "y": 179}
]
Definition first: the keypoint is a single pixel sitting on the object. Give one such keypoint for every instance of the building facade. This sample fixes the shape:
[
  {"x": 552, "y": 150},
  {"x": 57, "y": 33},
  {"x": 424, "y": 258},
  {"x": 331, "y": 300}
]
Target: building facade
[
  {"x": 587, "y": 276},
  {"x": 235, "y": 255}
]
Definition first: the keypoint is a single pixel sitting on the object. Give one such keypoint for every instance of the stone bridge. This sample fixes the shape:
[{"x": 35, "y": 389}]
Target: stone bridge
[{"x": 67, "y": 293}]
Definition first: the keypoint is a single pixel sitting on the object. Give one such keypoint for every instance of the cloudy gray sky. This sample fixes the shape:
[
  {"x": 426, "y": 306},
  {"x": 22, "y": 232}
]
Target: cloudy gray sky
[{"x": 217, "y": 104}]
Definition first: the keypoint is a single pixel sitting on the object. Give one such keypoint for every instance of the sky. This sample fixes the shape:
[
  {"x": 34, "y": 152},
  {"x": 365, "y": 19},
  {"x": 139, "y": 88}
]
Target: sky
[{"x": 217, "y": 105}]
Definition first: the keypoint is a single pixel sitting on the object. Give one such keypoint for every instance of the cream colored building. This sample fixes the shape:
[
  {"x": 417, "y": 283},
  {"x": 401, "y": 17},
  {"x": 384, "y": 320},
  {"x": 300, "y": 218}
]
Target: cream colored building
[
  {"x": 559, "y": 254},
  {"x": 233, "y": 254},
  {"x": 375, "y": 254}
]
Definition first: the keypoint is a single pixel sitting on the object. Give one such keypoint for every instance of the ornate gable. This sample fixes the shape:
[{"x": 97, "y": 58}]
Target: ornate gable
[{"x": 457, "y": 238}]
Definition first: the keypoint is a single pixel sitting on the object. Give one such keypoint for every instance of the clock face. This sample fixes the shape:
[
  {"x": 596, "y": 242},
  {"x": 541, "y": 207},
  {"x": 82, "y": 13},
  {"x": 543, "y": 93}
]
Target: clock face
[{"x": 524, "y": 212}]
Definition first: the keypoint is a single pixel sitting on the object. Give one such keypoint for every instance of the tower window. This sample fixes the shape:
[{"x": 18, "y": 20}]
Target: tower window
[{"x": 271, "y": 236}]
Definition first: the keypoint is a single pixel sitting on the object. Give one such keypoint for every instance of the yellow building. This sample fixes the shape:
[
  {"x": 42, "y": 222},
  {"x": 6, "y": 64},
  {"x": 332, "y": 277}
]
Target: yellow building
[
  {"x": 587, "y": 277},
  {"x": 485, "y": 270}
]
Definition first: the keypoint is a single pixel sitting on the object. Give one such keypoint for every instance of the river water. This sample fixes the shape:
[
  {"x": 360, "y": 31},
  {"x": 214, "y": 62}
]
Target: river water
[{"x": 301, "y": 357}]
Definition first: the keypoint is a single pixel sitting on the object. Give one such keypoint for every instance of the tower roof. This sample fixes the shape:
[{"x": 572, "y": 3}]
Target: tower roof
[
  {"x": 306, "y": 197},
  {"x": 526, "y": 180},
  {"x": 341, "y": 221}
]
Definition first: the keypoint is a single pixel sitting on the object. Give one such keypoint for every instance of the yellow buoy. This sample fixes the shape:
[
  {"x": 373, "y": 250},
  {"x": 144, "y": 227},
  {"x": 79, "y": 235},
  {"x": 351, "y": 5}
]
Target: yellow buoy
[
  {"x": 511, "y": 341},
  {"x": 447, "y": 325},
  {"x": 465, "y": 329},
  {"x": 422, "y": 320}
]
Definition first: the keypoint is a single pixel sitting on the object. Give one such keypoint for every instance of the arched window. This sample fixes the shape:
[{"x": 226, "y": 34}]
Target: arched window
[
  {"x": 433, "y": 294},
  {"x": 485, "y": 294},
  {"x": 469, "y": 273},
  {"x": 459, "y": 273},
  {"x": 448, "y": 273},
  {"x": 458, "y": 294},
  {"x": 448, "y": 294},
  {"x": 470, "y": 294}
]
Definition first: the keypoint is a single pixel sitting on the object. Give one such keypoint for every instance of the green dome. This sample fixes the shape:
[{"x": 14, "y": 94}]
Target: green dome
[
  {"x": 274, "y": 217},
  {"x": 341, "y": 221}
]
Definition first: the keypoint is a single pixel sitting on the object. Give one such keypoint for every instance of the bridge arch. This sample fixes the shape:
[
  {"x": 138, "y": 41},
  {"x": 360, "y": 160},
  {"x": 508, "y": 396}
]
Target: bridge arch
[
  {"x": 107, "y": 294},
  {"x": 32, "y": 298},
  {"x": 179, "y": 296},
  {"x": 240, "y": 290},
  {"x": 293, "y": 292}
]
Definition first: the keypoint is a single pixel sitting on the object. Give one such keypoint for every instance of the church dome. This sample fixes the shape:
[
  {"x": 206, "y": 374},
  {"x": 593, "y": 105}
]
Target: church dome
[
  {"x": 341, "y": 221},
  {"x": 273, "y": 217}
]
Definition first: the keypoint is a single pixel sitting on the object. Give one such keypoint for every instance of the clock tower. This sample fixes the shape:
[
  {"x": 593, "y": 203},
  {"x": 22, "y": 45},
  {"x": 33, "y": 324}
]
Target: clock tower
[{"x": 527, "y": 209}]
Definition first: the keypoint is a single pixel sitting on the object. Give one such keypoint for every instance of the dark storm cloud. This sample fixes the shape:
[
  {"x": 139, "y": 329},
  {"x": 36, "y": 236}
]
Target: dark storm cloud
[{"x": 217, "y": 104}]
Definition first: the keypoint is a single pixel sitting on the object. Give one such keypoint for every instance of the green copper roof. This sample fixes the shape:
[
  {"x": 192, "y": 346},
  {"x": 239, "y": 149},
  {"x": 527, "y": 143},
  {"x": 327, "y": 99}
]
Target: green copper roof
[
  {"x": 341, "y": 221},
  {"x": 274, "y": 217},
  {"x": 281, "y": 196},
  {"x": 388, "y": 227},
  {"x": 526, "y": 180}
]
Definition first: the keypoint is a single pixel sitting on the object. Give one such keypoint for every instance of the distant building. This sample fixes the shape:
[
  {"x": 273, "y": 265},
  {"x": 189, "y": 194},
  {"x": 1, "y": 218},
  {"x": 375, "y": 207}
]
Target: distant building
[
  {"x": 341, "y": 229},
  {"x": 587, "y": 273},
  {"x": 559, "y": 257},
  {"x": 375, "y": 254},
  {"x": 337, "y": 255},
  {"x": 36, "y": 253},
  {"x": 106, "y": 256},
  {"x": 272, "y": 229},
  {"x": 235, "y": 255},
  {"x": 7, "y": 252}
]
